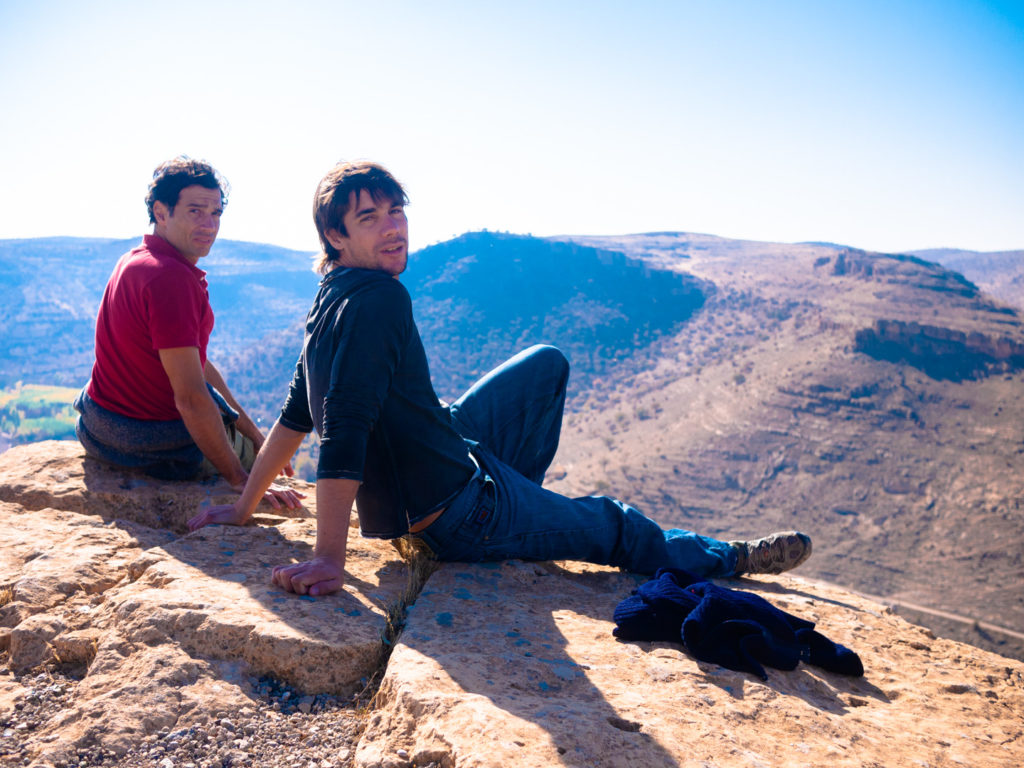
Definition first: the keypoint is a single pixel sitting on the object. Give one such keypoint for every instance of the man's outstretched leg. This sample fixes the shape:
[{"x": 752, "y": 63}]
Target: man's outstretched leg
[{"x": 503, "y": 516}]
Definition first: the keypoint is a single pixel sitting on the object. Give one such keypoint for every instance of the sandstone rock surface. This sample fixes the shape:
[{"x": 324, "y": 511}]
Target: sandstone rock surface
[
  {"x": 172, "y": 625},
  {"x": 176, "y": 635},
  {"x": 516, "y": 665}
]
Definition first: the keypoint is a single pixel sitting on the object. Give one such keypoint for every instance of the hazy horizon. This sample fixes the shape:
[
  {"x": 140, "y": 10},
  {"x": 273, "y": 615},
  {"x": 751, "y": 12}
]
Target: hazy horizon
[{"x": 418, "y": 247}]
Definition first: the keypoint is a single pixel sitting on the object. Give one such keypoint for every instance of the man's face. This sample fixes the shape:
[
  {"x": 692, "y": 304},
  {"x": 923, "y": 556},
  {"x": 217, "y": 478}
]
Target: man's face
[
  {"x": 193, "y": 224},
  {"x": 378, "y": 235}
]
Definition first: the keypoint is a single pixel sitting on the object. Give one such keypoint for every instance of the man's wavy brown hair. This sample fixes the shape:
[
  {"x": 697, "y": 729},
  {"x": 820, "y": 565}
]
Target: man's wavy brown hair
[{"x": 172, "y": 176}]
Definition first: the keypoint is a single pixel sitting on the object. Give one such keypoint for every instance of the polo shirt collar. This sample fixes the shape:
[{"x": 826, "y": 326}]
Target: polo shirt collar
[{"x": 159, "y": 247}]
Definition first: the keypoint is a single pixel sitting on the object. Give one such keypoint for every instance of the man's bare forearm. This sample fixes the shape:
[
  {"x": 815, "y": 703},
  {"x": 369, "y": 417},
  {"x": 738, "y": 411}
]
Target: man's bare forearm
[
  {"x": 334, "y": 499},
  {"x": 203, "y": 421},
  {"x": 200, "y": 413},
  {"x": 245, "y": 425}
]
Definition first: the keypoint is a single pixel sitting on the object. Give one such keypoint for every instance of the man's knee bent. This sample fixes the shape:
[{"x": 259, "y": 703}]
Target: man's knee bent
[{"x": 544, "y": 357}]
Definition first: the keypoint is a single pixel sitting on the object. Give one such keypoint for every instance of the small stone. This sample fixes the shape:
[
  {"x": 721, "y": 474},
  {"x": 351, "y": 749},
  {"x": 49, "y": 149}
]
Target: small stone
[{"x": 167, "y": 763}]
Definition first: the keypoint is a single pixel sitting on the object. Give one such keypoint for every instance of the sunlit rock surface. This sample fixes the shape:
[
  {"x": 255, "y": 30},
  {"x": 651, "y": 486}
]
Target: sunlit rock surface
[{"x": 496, "y": 665}]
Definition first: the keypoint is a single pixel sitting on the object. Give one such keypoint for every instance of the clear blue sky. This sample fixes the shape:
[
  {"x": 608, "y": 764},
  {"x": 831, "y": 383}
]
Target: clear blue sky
[{"x": 884, "y": 125}]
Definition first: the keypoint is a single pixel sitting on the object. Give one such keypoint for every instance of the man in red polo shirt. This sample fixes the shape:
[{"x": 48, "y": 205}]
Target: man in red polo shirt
[{"x": 154, "y": 401}]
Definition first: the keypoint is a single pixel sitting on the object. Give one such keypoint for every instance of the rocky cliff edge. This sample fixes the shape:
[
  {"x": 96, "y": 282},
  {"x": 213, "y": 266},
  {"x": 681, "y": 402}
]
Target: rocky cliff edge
[{"x": 174, "y": 636}]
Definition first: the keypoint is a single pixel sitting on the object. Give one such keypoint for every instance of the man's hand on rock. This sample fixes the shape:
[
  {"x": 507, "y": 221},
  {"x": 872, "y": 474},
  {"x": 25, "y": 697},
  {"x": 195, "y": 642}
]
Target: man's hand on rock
[
  {"x": 281, "y": 495},
  {"x": 276, "y": 495},
  {"x": 319, "y": 576},
  {"x": 223, "y": 514}
]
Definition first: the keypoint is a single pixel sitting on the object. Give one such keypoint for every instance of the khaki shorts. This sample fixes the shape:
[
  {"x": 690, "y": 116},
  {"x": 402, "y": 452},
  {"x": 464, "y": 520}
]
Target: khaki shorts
[{"x": 243, "y": 447}]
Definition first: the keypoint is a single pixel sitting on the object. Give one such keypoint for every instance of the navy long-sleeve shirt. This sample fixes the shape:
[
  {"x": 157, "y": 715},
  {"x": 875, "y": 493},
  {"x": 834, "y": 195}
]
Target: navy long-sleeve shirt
[{"x": 363, "y": 383}]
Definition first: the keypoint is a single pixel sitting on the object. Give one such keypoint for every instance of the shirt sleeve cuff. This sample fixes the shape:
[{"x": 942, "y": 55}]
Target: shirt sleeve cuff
[
  {"x": 338, "y": 474},
  {"x": 295, "y": 426}
]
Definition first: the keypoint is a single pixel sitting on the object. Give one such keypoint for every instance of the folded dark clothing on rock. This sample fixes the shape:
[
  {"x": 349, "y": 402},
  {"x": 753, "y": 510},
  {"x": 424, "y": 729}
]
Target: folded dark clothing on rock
[{"x": 734, "y": 629}]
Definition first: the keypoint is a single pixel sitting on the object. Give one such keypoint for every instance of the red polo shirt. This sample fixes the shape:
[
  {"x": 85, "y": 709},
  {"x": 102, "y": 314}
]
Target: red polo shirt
[{"x": 155, "y": 299}]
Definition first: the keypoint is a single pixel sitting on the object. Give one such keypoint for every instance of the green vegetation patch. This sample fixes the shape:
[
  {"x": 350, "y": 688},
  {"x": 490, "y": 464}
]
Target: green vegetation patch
[{"x": 33, "y": 412}]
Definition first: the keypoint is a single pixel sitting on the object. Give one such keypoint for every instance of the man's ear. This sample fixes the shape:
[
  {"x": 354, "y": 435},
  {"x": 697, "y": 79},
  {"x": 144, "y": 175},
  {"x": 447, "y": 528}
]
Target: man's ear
[
  {"x": 338, "y": 240},
  {"x": 160, "y": 211}
]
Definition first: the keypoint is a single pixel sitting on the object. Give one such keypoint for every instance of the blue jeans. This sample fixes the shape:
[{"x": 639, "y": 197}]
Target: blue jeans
[{"x": 512, "y": 418}]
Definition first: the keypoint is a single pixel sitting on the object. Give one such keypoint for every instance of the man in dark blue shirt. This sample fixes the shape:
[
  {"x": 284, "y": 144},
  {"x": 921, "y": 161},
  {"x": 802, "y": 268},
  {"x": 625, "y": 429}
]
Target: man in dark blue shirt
[{"x": 464, "y": 479}]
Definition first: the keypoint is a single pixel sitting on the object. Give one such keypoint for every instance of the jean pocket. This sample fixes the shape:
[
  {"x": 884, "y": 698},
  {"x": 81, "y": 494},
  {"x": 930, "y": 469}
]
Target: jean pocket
[
  {"x": 477, "y": 526},
  {"x": 483, "y": 512}
]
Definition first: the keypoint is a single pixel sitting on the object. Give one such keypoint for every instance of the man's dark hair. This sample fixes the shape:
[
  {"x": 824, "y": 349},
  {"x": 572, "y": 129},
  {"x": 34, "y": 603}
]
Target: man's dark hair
[
  {"x": 335, "y": 190},
  {"x": 171, "y": 177}
]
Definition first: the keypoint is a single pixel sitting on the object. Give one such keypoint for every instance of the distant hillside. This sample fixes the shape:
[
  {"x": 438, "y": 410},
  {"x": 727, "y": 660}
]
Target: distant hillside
[
  {"x": 482, "y": 297},
  {"x": 1000, "y": 273},
  {"x": 874, "y": 401},
  {"x": 50, "y": 289}
]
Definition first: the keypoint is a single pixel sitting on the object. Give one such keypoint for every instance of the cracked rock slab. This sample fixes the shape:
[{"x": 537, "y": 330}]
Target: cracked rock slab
[
  {"x": 55, "y": 559},
  {"x": 166, "y": 627},
  {"x": 210, "y": 593},
  {"x": 515, "y": 664}
]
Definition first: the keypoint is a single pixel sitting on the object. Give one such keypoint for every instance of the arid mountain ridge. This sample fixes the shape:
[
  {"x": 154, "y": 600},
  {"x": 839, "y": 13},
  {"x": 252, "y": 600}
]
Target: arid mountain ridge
[
  {"x": 868, "y": 399},
  {"x": 879, "y": 412}
]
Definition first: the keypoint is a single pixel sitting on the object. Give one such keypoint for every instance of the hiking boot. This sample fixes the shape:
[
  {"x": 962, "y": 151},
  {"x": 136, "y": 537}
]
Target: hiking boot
[{"x": 775, "y": 553}]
